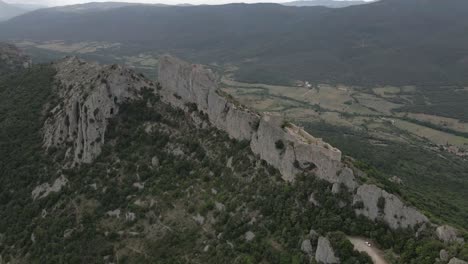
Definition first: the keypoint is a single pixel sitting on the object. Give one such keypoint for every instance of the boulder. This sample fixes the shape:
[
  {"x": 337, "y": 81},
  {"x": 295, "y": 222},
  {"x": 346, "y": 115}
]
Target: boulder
[
  {"x": 325, "y": 253},
  {"x": 457, "y": 261},
  {"x": 448, "y": 234},
  {"x": 249, "y": 236},
  {"x": 394, "y": 212},
  {"x": 306, "y": 247},
  {"x": 444, "y": 255}
]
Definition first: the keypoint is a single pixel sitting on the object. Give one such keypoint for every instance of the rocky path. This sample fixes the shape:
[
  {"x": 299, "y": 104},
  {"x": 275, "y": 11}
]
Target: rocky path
[{"x": 375, "y": 253}]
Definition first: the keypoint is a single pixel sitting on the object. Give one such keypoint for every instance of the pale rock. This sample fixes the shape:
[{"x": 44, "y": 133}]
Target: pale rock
[
  {"x": 115, "y": 213},
  {"x": 457, "y": 261},
  {"x": 448, "y": 234},
  {"x": 335, "y": 188},
  {"x": 444, "y": 255},
  {"x": 313, "y": 200},
  {"x": 155, "y": 162},
  {"x": 206, "y": 248},
  {"x": 395, "y": 214},
  {"x": 45, "y": 189},
  {"x": 199, "y": 219},
  {"x": 89, "y": 95},
  {"x": 306, "y": 247},
  {"x": 129, "y": 216},
  {"x": 249, "y": 236},
  {"x": 325, "y": 253},
  {"x": 229, "y": 163},
  {"x": 33, "y": 238},
  {"x": 93, "y": 186},
  {"x": 139, "y": 185},
  {"x": 219, "y": 206}
]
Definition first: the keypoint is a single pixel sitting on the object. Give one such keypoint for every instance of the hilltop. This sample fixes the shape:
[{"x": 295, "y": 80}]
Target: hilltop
[{"x": 105, "y": 165}]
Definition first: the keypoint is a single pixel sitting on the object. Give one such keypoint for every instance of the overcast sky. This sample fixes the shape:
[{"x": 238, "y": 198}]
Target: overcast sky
[{"x": 69, "y": 2}]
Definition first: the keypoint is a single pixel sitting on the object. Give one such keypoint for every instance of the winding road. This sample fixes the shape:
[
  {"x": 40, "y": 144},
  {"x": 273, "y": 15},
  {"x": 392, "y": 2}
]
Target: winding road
[{"x": 375, "y": 253}]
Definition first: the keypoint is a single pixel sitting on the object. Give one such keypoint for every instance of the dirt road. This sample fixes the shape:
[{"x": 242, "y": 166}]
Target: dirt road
[{"x": 374, "y": 253}]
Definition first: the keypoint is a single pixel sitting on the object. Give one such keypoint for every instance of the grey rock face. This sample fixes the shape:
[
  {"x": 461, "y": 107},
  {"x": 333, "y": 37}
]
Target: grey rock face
[
  {"x": 457, "y": 261},
  {"x": 283, "y": 145},
  {"x": 184, "y": 84},
  {"x": 395, "y": 213},
  {"x": 443, "y": 255},
  {"x": 325, "y": 253},
  {"x": 306, "y": 247},
  {"x": 90, "y": 94},
  {"x": 448, "y": 234}
]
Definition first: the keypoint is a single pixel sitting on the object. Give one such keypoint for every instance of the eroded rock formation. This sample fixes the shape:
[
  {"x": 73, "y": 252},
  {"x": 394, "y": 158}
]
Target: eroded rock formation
[
  {"x": 283, "y": 145},
  {"x": 89, "y": 95}
]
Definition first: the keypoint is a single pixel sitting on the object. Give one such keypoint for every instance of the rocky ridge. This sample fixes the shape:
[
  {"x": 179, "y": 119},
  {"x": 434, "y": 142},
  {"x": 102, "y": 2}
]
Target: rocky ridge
[
  {"x": 91, "y": 94},
  {"x": 283, "y": 145}
]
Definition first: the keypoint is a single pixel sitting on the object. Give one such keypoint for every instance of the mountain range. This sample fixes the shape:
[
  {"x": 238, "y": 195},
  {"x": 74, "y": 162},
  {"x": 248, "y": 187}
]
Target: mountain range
[
  {"x": 326, "y": 3},
  {"x": 401, "y": 42}
]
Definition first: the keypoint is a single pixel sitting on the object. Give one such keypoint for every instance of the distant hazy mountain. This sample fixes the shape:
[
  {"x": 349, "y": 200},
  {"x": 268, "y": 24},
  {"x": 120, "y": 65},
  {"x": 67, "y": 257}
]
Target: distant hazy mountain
[
  {"x": 8, "y": 11},
  {"x": 95, "y": 7},
  {"x": 390, "y": 41},
  {"x": 326, "y": 3}
]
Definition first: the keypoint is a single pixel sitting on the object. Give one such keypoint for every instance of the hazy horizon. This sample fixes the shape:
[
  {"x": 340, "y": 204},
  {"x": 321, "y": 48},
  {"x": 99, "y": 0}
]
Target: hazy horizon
[{"x": 195, "y": 2}]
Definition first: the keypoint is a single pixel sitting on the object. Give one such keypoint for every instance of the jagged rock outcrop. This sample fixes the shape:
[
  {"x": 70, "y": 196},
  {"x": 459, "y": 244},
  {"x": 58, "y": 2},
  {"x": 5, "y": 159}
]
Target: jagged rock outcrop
[
  {"x": 12, "y": 58},
  {"x": 283, "y": 145},
  {"x": 379, "y": 204},
  {"x": 89, "y": 95},
  {"x": 325, "y": 253},
  {"x": 45, "y": 189},
  {"x": 448, "y": 234}
]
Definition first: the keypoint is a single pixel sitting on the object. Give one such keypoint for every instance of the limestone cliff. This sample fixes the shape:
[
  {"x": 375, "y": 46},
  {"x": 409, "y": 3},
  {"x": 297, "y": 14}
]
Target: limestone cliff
[
  {"x": 283, "y": 145},
  {"x": 89, "y": 95}
]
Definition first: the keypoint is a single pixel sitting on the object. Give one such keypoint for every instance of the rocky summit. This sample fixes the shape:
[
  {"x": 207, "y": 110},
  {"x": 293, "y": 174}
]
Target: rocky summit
[{"x": 89, "y": 95}]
